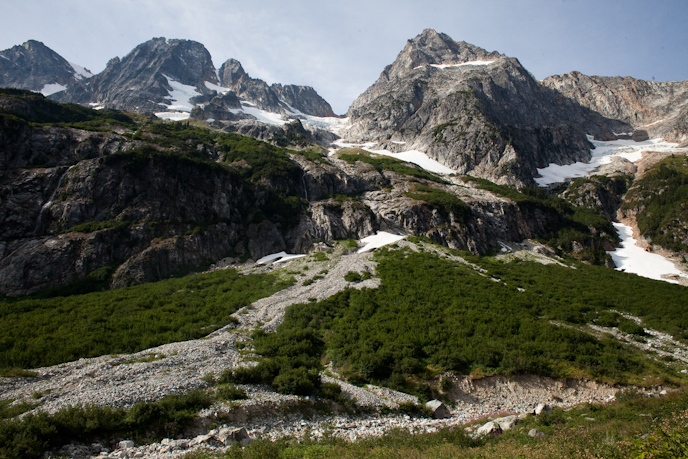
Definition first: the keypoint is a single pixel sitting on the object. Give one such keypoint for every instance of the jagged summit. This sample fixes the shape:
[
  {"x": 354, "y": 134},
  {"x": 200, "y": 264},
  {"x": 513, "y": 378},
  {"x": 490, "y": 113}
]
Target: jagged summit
[
  {"x": 476, "y": 112},
  {"x": 434, "y": 48},
  {"x": 142, "y": 80},
  {"x": 34, "y": 66}
]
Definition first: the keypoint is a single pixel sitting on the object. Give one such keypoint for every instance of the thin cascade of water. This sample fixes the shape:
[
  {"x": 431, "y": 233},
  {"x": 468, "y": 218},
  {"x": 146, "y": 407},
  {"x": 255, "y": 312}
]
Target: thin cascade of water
[{"x": 47, "y": 205}]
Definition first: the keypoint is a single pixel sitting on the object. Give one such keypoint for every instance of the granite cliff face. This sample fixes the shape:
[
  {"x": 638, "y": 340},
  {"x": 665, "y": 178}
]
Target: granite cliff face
[
  {"x": 36, "y": 67},
  {"x": 475, "y": 111},
  {"x": 653, "y": 109}
]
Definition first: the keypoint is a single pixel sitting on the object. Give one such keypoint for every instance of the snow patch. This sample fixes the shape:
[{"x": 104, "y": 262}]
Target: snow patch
[
  {"x": 622, "y": 133},
  {"x": 215, "y": 87},
  {"x": 602, "y": 153},
  {"x": 446, "y": 66},
  {"x": 180, "y": 96},
  {"x": 381, "y": 239},
  {"x": 278, "y": 258},
  {"x": 633, "y": 259},
  {"x": 80, "y": 72},
  {"x": 52, "y": 89},
  {"x": 173, "y": 116},
  {"x": 4, "y": 57},
  {"x": 261, "y": 115},
  {"x": 411, "y": 156},
  {"x": 96, "y": 106}
]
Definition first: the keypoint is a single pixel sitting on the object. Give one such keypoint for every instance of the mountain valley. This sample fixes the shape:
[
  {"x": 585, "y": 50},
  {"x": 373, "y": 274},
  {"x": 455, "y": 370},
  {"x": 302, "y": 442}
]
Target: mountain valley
[{"x": 192, "y": 242}]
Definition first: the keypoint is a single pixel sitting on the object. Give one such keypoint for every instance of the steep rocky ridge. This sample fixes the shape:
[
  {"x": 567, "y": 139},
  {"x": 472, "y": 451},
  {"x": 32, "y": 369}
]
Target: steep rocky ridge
[
  {"x": 653, "y": 109},
  {"x": 34, "y": 66},
  {"x": 473, "y": 111},
  {"x": 303, "y": 98},
  {"x": 152, "y": 77},
  {"x": 139, "y": 81}
]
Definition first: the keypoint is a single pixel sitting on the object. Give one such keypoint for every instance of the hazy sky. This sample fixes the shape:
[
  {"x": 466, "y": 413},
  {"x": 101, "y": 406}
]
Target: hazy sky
[{"x": 340, "y": 47}]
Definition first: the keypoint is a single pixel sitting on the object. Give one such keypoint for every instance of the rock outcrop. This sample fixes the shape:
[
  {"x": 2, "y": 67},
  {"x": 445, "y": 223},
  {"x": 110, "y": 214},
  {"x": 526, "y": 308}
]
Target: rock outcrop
[{"x": 652, "y": 109}]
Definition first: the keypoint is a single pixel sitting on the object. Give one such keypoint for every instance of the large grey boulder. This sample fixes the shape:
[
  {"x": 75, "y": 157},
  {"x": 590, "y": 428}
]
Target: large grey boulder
[
  {"x": 228, "y": 436},
  {"x": 489, "y": 428},
  {"x": 507, "y": 422},
  {"x": 438, "y": 409}
]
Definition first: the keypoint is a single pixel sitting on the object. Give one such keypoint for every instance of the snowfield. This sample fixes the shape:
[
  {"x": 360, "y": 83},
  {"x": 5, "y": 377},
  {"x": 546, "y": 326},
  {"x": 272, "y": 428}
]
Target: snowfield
[
  {"x": 602, "y": 154},
  {"x": 180, "y": 97},
  {"x": 278, "y": 258},
  {"x": 80, "y": 72},
  {"x": 381, "y": 239},
  {"x": 412, "y": 156},
  {"x": 52, "y": 89},
  {"x": 633, "y": 259},
  {"x": 446, "y": 66}
]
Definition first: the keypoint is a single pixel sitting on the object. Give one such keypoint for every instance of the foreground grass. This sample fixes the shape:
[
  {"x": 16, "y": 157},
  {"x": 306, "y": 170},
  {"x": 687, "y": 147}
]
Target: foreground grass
[
  {"x": 633, "y": 427},
  {"x": 42, "y": 332}
]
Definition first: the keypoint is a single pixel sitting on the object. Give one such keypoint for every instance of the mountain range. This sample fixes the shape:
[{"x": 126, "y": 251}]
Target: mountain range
[
  {"x": 191, "y": 242},
  {"x": 449, "y": 104}
]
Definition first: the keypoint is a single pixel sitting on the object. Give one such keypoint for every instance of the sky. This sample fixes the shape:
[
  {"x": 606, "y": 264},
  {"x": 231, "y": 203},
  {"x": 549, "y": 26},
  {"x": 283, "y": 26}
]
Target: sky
[{"x": 340, "y": 47}]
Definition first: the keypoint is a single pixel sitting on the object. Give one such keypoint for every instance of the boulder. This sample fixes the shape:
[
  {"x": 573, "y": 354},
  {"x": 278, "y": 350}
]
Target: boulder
[
  {"x": 438, "y": 409},
  {"x": 126, "y": 444},
  {"x": 534, "y": 433},
  {"x": 489, "y": 428},
  {"x": 542, "y": 408},
  {"x": 507, "y": 422},
  {"x": 229, "y": 436}
]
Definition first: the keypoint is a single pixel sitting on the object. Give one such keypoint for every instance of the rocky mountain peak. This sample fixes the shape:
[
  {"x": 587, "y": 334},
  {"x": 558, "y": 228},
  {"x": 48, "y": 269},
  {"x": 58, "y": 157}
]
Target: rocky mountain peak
[
  {"x": 186, "y": 61},
  {"x": 231, "y": 72},
  {"x": 152, "y": 68},
  {"x": 34, "y": 66},
  {"x": 434, "y": 48}
]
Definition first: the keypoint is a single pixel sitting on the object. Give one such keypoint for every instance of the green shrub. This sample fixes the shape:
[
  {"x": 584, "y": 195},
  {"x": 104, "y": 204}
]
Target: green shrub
[
  {"x": 230, "y": 392},
  {"x": 352, "y": 276},
  {"x": 41, "y": 332},
  {"x": 444, "y": 202},
  {"x": 297, "y": 381},
  {"x": 632, "y": 328}
]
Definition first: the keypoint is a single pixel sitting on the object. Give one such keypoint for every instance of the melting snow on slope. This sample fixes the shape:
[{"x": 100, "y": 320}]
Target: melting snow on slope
[
  {"x": 412, "y": 156},
  {"x": 602, "y": 154},
  {"x": 80, "y": 72},
  {"x": 261, "y": 115},
  {"x": 215, "y": 87},
  {"x": 278, "y": 258},
  {"x": 445, "y": 66},
  {"x": 381, "y": 239},
  {"x": 180, "y": 101},
  {"x": 52, "y": 89},
  {"x": 633, "y": 259}
]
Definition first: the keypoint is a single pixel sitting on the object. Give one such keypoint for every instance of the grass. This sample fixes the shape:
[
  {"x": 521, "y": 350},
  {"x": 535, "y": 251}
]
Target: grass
[
  {"x": 446, "y": 203},
  {"x": 40, "y": 332},
  {"x": 381, "y": 163}
]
